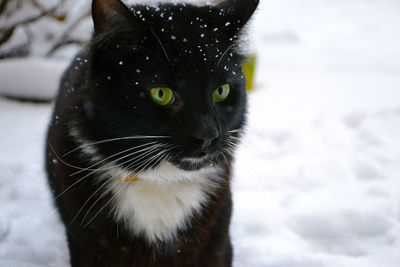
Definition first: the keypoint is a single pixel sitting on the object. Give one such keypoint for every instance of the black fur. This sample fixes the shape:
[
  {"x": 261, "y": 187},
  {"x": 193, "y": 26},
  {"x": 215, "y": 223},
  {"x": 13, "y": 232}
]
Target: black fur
[{"x": 104, "y": 94}]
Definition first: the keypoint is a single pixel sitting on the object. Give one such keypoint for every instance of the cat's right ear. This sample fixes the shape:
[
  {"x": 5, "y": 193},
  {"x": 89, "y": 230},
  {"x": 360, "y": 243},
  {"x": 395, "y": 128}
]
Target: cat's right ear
[
  {"x": 240, "y": 10},
  {"x": 107, "y": 13}
]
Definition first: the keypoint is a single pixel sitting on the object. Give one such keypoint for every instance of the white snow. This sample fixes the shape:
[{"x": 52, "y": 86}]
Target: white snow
[
  {"x": 317, "y": 178},
  {"x": 36, "y": 78},
  {"x": 42, "y": 35}
]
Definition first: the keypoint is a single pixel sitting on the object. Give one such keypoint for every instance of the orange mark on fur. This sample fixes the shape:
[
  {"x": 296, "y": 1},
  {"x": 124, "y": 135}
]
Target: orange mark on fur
[{"x": 128, "y": 178}]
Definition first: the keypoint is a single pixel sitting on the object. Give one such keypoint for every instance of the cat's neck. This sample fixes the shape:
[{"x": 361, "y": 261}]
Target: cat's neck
[{"x": 161, "y": 202}]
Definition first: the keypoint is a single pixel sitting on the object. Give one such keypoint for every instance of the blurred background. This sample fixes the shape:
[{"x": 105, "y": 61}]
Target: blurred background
[
  {"x": 317, "y": 177},
  {"x": 43, "y": 28}
]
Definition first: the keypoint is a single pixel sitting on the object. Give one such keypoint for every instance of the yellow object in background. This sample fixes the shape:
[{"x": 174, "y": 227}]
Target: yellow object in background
[{"x": 249, "y": 68}]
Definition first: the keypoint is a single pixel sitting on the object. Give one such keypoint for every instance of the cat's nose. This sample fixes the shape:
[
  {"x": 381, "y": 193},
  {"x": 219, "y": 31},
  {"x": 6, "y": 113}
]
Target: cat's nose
[{"x": 206, "y": 134}]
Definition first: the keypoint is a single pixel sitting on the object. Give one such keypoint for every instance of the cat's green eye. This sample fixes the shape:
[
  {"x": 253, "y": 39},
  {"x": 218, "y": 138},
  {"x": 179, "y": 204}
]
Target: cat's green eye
[
  {"x": 162, "y": 96},
  {"x": 221, "y": 93}
]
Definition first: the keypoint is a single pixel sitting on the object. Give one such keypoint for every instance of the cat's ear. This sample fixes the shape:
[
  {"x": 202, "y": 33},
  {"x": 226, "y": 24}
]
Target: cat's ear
[
  {"x": 106, "y": 12},
  {"x": 113, "y": 21},
  {"x": 239, "y": 10}
]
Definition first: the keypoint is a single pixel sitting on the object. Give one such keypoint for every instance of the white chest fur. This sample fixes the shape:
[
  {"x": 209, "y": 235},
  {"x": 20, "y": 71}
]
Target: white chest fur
[{"x": 163, "y": 200}]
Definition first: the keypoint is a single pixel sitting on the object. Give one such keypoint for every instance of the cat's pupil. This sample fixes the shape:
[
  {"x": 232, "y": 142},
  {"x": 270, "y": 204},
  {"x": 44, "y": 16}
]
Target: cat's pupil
[
  {"x": 160, "y": 93},
  {"x": 220, "y": 91}
]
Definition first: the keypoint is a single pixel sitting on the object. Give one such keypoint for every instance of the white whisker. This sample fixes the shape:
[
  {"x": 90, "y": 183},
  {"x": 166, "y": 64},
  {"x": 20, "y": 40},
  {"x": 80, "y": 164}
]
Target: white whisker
[
  {"x": 97, "y": 200},
  {"x": 116, "y": 154},
  {"x": 225, "y": 53},
  {"x": 161, "y": 154},
  {"x": 162, "y": 46},
  {"x": 61, "y": 160},
  {"x": 111, "y": 164},
  {"x": 114, "y": 196},
  {"x": 117, "y": 139},
  {"x": 76, "y": 215},
  {"x": 235, "y": 131},
  {"x": 136, "y": 159}
]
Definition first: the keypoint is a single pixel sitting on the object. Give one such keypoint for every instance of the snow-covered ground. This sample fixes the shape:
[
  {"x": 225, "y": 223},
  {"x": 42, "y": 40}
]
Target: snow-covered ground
[{"x": 317, "y": 179}]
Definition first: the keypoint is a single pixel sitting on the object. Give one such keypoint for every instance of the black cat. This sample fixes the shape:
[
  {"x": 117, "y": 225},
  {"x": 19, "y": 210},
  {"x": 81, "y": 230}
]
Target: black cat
[{"x": 141, "y": 140}]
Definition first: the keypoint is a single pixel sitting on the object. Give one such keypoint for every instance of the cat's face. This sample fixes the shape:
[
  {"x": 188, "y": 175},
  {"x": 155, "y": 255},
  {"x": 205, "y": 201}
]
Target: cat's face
[{"x": 171, "y": 73}]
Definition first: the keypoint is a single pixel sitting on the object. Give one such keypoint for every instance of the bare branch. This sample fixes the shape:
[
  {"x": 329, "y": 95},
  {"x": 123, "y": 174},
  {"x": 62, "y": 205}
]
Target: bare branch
[
  {"x": 19, "y": 51},
  {"x": 3, "y": 5},
  {"x": 5, "y": 35},
  {"x": 63, "y": 40},
  {"x": 64, "y": 43}
]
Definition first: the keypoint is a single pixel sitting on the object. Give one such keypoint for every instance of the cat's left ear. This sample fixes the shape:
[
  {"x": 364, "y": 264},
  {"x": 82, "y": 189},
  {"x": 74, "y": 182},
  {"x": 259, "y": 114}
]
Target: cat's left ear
[
  {"x": 239, "y": 10},
  {"x": 104, "y": 12}
]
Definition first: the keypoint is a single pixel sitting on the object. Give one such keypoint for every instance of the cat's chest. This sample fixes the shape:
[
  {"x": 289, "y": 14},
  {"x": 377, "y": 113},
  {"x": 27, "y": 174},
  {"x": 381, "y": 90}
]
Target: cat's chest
[{"x": 162, "y": 201}]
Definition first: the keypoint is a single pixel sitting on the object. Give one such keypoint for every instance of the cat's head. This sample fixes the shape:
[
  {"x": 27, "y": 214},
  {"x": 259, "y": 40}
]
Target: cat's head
[{"x": 171, "y": 72}]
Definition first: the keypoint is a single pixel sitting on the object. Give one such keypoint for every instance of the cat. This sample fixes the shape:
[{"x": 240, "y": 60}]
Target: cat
[{"x": 142, "y": 136}]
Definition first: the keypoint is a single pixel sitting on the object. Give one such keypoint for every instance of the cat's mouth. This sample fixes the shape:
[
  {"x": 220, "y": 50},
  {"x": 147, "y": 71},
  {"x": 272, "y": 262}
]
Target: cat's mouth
[
  {"x": 195, "y": 163},
  {"x": 195, "y": 160}
]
